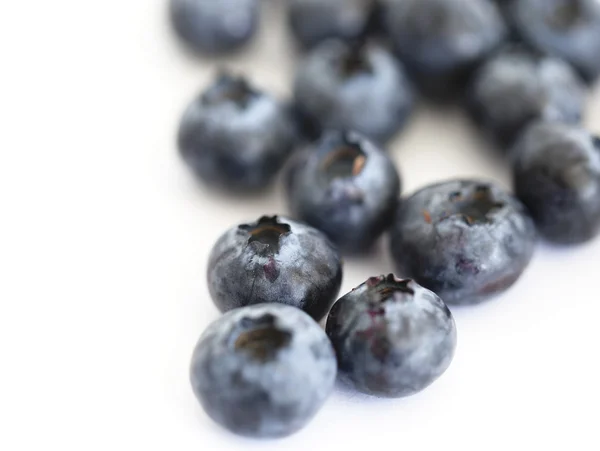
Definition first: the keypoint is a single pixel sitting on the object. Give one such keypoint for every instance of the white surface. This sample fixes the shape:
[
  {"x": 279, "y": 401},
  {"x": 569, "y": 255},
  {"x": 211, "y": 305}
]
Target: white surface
[{"x": 104, "y": 244}]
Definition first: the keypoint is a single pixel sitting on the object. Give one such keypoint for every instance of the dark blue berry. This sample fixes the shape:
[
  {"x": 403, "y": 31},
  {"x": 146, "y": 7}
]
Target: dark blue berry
[
  {"x": 361, "y": 88},
  {"x": 215, "y": 26},
  {"x": 518, "y": 86},
  {"x": 392, "y": 337},
  {"x": 314, "y": 21},
  {"x": 235, "y": 136},
  {"x": 465, "y": 240},
  {"x": 568, "y": 29},
  {"x": 442, "y": 41},
  {"x": 557, "y": 176},
  {"x": 263, "y": 371},
  {"x": 345, "y": 186},
  {"x": 276, "y": 260}
]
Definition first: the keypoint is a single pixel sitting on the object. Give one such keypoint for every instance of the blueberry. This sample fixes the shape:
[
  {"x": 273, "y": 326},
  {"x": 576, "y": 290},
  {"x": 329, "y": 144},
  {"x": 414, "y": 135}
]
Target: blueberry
[
  {"x": 557, "y": 176},
  {"x": 353, "y": 87},
  {"x": 345, "y": 186},
  {"x": 235, "y": 136},
  {"x": 277, "y": 260},
  {"x": 442, "y": 41},
  {"x": 314, "y": 21},
  {"x": 464, "y": 239},
  {"x": 392, "y": 337},
  {"x": 568, "y": 29},
  {"x": 263, "y": 370},
  {"x": 215, "y": 26},
  {"x": 518, "y": 86}
]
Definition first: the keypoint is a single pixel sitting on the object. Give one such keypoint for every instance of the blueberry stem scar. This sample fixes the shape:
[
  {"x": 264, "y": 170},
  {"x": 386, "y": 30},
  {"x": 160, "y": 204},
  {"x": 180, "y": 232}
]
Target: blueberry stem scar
[
  {"x": 565, "y": 15},
  {"x": 475, "y": 208},
  {"x": 261, "y": 338},
  {"x": 267, "y": 231},
  {"x": 346, "y": 161},
  {"x": 385, "y": 286},
  {"x": 355, "y": 61},
  {"x": 233, "y": 89}
]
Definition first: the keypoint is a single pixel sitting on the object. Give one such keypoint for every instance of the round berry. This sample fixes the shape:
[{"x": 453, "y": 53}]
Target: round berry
[
  {"x": 517, "y": 87},
  {"x": 442, "y": 41},
  {"x": 263, "y": 371},
  {"x": 345, "y": 186},
  {"x": 276, "y": 260},
  {"x": 557, "y": 176},
  {"x": 314, "y": 21},
  {"x": 235, "y": 136},
  {"x": 567, "y": 29},
  {"x": 464, "y": 239},
  {"x": 392, "y": 337},
  {"x": 215, "y": 26},
  {"x": 346, "y": 87}
]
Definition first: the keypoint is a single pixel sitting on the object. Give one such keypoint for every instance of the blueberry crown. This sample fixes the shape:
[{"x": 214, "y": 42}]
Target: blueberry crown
[
  {"x": 261, "y": 338},
  {"x": 475, "y": 207},
  {"x": 345, "y": 160},
  {"x": 355, "y": 60},
  {"x": 229, "y": 88},
  {"x": 267, "y": 231},
  {"x": 566, "y": 15},
  {"x": 383, "y": 287}
]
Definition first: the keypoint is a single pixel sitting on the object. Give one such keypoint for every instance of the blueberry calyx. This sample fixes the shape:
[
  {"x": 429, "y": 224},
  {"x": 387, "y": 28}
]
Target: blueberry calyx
[
  {"x": 475, "y": 208},
  {"x": 566, "y": 15},
  {"x": 261, "y": 338},
  {"x": 346, "y": 161},
  {"x": 382, "y": 288},
  {"x": 232, "y": 89},
  {"x": 267, "y": 231},
  {"x": 355, "y": 61}
]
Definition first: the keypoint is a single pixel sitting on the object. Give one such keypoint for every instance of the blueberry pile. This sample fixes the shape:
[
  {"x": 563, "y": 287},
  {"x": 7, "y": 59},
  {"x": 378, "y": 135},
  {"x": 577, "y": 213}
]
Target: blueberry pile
[{"x": 521, "y": 68}]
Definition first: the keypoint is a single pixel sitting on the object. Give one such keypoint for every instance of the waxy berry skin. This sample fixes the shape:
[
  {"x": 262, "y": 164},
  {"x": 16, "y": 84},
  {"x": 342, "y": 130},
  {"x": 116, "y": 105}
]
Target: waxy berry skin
[
  {"x": 557, "y": 176},
  {"x": 442, "y": 41},
  {"x": 315, "y": 21},
  {"x": 278, "y": 260},
  {"x": 567, "y": 29},
  {"x": 236, "y": 137},
  {"x": 215, "y": 26},
  {"x": 465, "y": 239},
  {"x": 392, "y": 337},
  {"x": 263, "y": 371},
  {"x": 347, "y": 187},
  {"x": 341, "y": 86},
  {"x": 519, "y": 86}
]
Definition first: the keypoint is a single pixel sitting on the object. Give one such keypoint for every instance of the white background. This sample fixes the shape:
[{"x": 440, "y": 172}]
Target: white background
[{"x": 105, "y": 236}]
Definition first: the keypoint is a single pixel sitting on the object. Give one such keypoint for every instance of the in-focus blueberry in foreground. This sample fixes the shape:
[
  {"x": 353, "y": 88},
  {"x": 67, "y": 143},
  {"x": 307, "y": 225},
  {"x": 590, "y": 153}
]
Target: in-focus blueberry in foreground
[
  {"x": 275, "y": 260},
  {"x": 215, "y": 26},
  {"x": 567, "y": 29},
  {"x": 392, "y": 337},
  {"x": 557, "y": 176},
  {"x": 442, "y": 41},
  {"x": 263, "y": 370},
  {"x": 518, "y": 86},
  {"x": 353, "y": 87},
  {"x": 345, "y": 186},
  {"x": 465, "y": 240},
  {"x": 314, "y": 21},
  {"x": 236, "y": 137}
]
